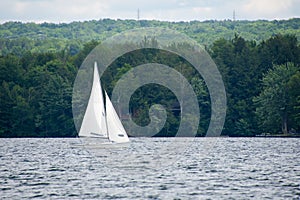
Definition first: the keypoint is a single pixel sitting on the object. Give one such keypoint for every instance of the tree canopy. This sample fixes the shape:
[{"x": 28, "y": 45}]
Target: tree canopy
[
  {"x": 259, "y": 62},
  {"x": 17, "y": 37}
]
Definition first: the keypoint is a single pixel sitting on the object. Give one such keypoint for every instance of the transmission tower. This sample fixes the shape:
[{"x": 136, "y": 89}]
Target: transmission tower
[{"x": 233, "y": 15}]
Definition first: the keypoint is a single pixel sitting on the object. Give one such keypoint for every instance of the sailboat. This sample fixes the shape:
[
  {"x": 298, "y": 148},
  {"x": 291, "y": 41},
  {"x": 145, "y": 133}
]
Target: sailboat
[{"x": 99, "y": 122}]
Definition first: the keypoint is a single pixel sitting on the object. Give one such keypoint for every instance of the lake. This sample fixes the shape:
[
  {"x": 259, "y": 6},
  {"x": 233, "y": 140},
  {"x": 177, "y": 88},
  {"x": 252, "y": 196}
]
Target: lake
[{"x": 151, "y": 168}]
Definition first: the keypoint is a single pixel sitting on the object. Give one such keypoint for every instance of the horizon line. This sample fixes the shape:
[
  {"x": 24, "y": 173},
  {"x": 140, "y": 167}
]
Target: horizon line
[{"x": 133, "y": 19}]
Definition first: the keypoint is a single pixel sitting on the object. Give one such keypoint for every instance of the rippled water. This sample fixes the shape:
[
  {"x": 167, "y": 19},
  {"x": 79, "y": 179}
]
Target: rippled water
[{"x": 151, "y": 168}]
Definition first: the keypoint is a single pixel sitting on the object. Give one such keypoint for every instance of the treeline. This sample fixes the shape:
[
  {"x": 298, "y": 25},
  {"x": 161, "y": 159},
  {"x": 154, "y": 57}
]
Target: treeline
[
  {"x": 36, "y": 93},
  {"x": 17, "y": 37},
  {"x": 262, "y": 83}
]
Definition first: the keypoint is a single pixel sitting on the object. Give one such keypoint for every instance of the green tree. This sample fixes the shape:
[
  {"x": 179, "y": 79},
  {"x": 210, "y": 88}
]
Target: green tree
[
  {"x": 6, "y": 104},
  {"x": 283, "y": 49},
  {"x": 294, "y": 92},
  {"x": 238, "y": 63},
  {"x": 22, "y": 115},
  {"x": 88, "y": 47},
  {"x": 274, "y": 101}
]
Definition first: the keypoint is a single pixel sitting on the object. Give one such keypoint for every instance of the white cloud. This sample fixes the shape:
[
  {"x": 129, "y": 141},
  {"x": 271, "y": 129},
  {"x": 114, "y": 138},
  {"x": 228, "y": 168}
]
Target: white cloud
[
  {"x": 172, "y": 10},
  {"x": 19, "y": 7},
  {"x": 202, "y": 9},
  {"x": 267, "y": 8},
  {"x": 52, "y": 10}
]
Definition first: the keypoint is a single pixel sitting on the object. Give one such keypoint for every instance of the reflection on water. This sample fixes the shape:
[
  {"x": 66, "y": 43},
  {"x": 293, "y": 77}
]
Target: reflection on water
[{"x": 151, "y": 168}]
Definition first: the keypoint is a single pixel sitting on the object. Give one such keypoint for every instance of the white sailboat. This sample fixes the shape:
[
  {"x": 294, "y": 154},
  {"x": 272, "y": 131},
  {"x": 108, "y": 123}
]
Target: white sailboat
[{"x": 98, "y": 122}]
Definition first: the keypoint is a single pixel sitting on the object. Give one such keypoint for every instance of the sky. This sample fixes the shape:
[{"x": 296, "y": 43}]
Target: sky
[{"x": 59, "y": 11}]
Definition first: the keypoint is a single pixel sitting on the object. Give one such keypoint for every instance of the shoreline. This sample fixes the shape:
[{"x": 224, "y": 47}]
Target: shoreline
[{"x": 279, "y": 135}]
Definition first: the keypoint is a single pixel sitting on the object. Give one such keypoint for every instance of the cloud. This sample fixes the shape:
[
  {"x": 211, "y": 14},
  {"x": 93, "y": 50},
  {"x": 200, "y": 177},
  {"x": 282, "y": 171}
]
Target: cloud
[
  {"x": 269, "y": 9},
  {"x": 52, "y": 10},
  {"x": 171, "y": 10},
  {"x": 202, "y": 9},
  {"x": 267, "y": 6}
]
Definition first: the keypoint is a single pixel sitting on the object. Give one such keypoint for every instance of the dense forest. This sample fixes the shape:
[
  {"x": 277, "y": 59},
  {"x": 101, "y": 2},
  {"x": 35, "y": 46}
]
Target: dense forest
[
  {"x": 259, "y": 62},
  {"x": 17, "y": 37}
]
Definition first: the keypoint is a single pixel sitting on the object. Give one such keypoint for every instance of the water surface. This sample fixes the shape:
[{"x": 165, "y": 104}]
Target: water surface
[{"x": 151, "y": 168}]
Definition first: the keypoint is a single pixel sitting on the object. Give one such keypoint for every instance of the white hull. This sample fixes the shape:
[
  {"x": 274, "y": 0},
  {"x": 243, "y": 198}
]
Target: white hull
[{"x": 98, "y": 143}]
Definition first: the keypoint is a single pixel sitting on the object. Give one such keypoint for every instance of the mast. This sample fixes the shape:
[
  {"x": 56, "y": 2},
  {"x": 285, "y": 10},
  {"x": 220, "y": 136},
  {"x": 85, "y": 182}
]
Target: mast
[{"x": 106, "y": 118}]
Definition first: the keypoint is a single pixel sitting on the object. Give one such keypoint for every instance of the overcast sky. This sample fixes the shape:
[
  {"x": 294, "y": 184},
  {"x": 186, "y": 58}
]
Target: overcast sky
[{"x": 166, "y": 10}]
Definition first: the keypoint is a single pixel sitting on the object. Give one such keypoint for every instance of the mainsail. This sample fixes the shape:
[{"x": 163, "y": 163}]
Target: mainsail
[{"x": 94, "y": 122}]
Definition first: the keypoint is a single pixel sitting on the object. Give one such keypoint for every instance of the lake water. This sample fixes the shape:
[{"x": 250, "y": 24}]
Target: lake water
[{"x": 151, "y": 168}]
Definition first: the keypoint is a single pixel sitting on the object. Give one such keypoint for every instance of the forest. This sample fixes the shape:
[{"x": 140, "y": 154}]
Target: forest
[{"x": 258, "y": 60}]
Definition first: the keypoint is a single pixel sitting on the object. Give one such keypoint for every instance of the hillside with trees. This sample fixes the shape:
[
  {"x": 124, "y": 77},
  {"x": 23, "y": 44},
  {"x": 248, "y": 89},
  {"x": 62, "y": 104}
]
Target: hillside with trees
[
  {"x": 17, "y": 37},
  {"x": 258, "y": 60}
]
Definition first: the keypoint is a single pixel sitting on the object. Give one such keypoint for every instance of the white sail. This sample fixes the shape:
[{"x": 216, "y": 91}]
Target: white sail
[
  {"x": 94, "y": 122},
  {"x": 115, "y": 128}
]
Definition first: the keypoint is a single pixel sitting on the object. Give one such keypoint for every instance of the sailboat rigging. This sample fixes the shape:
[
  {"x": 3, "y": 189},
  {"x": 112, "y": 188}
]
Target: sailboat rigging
[{"x": 99, "y": 121}]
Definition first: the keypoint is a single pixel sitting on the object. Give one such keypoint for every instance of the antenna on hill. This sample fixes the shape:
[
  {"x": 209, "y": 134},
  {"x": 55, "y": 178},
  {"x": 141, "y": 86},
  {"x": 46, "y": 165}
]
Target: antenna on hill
[
  {"x": 138, "y": 14},
  {"x": 233, "y": 15}
]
